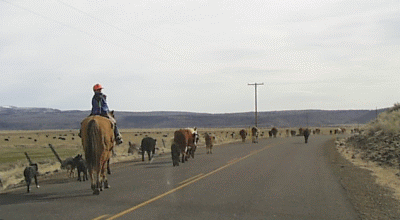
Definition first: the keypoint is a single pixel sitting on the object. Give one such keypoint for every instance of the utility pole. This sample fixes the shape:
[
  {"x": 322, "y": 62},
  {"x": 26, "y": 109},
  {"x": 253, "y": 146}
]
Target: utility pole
[{"x": 255, "y": 94}]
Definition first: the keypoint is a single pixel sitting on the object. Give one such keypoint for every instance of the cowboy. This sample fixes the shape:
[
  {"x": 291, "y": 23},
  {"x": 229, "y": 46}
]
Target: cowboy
[{"x": 100, "y": 107}]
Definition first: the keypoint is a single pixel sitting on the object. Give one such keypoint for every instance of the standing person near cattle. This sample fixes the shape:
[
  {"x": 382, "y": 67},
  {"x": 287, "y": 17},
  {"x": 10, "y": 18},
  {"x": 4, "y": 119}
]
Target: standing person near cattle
[{"x": 100, "y": 107}]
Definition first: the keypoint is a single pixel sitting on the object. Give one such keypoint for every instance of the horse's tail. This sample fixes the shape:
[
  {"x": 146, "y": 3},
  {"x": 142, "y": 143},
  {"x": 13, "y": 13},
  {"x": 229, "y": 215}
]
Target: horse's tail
[{"x": 92, "y": 140}]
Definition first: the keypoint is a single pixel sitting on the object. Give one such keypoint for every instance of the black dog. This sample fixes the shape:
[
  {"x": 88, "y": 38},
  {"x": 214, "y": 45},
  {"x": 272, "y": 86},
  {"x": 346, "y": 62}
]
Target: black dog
[
  {"x": 81, "y": 166},
  {"x": 29, "y": 173}
]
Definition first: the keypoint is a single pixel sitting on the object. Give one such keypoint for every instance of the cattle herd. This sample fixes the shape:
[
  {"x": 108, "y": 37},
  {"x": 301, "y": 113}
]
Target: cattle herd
[{"x": 183, "y": 147}]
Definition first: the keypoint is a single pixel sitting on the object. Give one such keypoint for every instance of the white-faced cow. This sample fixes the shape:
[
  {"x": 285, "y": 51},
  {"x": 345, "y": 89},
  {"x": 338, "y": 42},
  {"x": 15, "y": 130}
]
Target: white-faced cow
[
  {"x": 182, "y": 139},
  {"x": 191, "y": 147}
]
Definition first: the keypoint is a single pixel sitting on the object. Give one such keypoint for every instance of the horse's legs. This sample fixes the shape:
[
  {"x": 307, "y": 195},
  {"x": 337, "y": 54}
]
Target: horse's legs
[{"x": 108, "y": 167}]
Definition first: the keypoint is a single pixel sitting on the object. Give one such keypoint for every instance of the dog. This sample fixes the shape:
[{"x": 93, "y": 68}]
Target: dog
[
  {"x": 81, "y": 167},
  {"x": 31, "y": 172}
]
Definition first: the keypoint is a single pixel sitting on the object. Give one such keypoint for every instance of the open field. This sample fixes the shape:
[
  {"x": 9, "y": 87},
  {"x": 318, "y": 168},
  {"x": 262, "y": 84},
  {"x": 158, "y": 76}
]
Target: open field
[{"x": 67, "y": 143}]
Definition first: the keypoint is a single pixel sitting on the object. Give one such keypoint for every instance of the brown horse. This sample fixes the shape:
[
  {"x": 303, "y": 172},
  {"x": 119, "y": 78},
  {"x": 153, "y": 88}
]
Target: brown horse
[{"x": 98, "y": 142}]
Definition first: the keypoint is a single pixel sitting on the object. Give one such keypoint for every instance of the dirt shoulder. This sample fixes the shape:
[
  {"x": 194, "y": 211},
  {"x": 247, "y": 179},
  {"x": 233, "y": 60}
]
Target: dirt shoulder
[{"x": 371, "y": 198}]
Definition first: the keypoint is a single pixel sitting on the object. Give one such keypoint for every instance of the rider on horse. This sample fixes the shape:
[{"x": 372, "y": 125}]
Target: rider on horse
[{"x": 100, "y": 107}]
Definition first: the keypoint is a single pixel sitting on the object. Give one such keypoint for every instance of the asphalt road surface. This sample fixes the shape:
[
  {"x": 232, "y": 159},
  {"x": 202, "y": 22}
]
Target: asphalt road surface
[{"x": 277, "y": 178}]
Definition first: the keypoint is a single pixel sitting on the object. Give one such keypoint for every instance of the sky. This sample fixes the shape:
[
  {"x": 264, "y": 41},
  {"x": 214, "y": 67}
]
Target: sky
[{"x": 200, "y": 55}]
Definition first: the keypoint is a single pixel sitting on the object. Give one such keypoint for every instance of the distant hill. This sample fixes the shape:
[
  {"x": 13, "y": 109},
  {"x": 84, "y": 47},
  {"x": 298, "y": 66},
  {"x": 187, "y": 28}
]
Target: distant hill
[{"x": 15, "y": 118}]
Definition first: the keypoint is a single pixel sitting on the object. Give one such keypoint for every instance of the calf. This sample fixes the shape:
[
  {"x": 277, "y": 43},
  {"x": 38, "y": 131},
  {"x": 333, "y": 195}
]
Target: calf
[
  {"x": 31, "y": 172},
  {"x": 81, "y": 167},
  {"x": 148, "y": 145},
  {"x": 209, "y": 142},
  {"x": 175, "y": 153}
]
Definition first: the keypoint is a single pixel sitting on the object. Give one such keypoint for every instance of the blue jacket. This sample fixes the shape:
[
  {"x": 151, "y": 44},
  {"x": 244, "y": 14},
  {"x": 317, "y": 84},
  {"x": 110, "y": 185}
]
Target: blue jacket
[{"x": 99, "y": 104}]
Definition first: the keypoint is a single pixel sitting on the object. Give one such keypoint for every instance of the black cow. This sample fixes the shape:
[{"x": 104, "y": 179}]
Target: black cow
[
  {"x": 175, "y": 153},
  {"x": 148, "y": 145},
  {"x": 31, "y": 172},
  {"x": 81, "y": 167},
  {"x": 306, "y": 133}
]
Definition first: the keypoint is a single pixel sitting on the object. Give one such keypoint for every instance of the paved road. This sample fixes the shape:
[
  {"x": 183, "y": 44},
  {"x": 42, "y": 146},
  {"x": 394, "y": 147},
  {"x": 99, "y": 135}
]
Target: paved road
[{"x": 279, "y": 178}]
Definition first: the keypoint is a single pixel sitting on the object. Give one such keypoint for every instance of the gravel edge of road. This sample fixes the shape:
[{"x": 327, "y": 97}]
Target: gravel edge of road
[{"x": 369, "y": 199}]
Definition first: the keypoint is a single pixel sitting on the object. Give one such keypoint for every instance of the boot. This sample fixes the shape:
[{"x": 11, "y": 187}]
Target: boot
[{"x": 119, "y": 140}]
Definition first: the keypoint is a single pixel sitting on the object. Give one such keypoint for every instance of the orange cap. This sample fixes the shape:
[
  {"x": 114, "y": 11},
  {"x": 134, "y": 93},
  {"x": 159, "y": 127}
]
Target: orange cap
[{"x": 97, "y": 87}]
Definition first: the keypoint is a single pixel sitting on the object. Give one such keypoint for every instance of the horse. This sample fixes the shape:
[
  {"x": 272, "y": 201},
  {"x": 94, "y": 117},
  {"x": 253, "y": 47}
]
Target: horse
[
  {"x": 98, "y": 141},
  {"x": 243, "y": 134}
]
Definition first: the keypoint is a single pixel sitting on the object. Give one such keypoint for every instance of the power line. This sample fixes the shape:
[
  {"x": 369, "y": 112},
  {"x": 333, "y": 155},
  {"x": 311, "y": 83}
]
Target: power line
[
  {"x": 69, "y": 26},
  {"x": 93, "y": 35},
  {"x": 113, "y": 26}
]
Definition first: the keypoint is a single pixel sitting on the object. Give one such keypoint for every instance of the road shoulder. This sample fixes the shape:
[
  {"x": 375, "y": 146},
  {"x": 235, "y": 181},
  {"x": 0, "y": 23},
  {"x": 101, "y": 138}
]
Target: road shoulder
[{"x": 369, "y": 199}]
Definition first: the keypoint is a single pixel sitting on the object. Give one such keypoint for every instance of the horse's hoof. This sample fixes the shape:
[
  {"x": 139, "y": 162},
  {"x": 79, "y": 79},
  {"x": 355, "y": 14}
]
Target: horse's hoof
[
  {"x": 37, "y": 186},
  {"x": 107, "y": 187},
  {"x": 96, "y": 192}
]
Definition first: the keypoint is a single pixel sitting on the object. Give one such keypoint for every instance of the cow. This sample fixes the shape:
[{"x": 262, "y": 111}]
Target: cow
[
  {"x": 182, "y": 139},
  {"x": 254, "y": 135},
  {"x": 175, "y": 153},
  {"x": 274, "y": 131},
  {"x": 243, "y": 134},
  {"x": 81, "y": 167},
  {"x": 132, "y": 148},
  {"x": 30, "y": 173},
  {"x": 292, "y": 133},
  {"x": 148, "y": 145},
  {"x": 301, "y": 130},
  {"x": 191, "y": 148},
  {"x": 306, "y": 134},
  {"x": 209, "y": 139}
]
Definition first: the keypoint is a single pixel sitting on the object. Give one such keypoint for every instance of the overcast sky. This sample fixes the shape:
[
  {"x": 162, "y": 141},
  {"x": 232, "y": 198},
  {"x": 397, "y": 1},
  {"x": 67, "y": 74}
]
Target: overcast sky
[{"x": 199, "y": 56}]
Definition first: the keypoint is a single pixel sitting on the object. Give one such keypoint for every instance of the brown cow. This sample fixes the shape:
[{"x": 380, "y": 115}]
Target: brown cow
[
  {"x": 182, "y": 139},
  {"x": 243, "y": 134},
  {"x": 209, "y": 142}
]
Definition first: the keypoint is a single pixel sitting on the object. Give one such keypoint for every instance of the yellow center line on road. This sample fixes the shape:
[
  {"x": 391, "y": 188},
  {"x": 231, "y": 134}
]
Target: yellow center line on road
[
  {"x": 233, "y": 160},
  {"x": 100, "y": 217},
  {"x": 191, "y": 178},
  {"x": 198, "y": 177}
]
